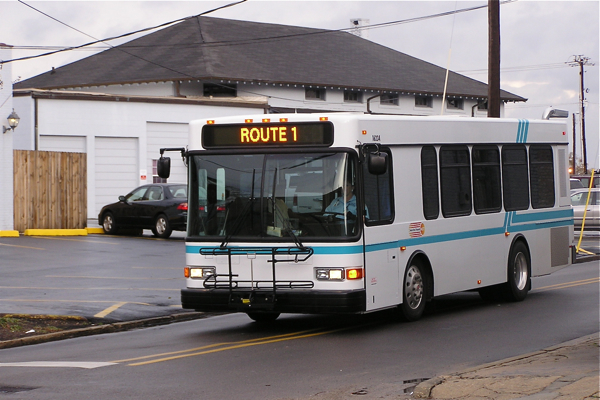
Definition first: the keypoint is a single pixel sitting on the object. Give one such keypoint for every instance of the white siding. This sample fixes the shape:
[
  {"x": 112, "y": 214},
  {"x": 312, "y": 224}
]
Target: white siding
[
  {"x": 116, "y": 168},
  {"x": 74, "y": 144},
  {"x": 162, "y": 135}
]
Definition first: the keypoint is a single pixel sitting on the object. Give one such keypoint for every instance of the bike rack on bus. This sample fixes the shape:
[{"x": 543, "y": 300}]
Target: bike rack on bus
[{"x": 247, "y": 294}]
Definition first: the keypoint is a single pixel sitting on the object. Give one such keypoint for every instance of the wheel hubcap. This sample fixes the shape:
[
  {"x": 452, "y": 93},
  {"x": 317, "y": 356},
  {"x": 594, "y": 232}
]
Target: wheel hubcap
[
  {"x": 414, "y": 287},
  {"x": 108, "y": 223},
  {"x": 520, "y": 271},
  {"x": 161, "y": 225}
]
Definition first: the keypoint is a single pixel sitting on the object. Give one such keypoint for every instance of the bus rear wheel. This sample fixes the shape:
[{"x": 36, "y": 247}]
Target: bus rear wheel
[
  {"x": 519, "y": 273},
  {"x": 414, "y": 291}
]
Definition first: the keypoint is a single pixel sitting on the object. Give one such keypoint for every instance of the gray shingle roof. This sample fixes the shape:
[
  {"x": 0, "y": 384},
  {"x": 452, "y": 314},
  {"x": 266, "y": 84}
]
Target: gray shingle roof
[{"x": 205, "y": 48}]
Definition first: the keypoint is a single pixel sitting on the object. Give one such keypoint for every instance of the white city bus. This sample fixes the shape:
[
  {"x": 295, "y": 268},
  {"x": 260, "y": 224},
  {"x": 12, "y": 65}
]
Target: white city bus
[{"x": 354, "y": 213}]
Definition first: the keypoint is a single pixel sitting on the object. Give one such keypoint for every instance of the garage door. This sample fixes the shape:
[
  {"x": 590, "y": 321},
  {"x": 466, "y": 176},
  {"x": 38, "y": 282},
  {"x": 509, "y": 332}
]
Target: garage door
[
  {"x": 116, "y": 162},
  {"x": 163, "y": 135}
]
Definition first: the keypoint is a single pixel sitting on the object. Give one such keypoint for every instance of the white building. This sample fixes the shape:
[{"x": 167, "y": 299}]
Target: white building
[{"x": 120, "y": 106}]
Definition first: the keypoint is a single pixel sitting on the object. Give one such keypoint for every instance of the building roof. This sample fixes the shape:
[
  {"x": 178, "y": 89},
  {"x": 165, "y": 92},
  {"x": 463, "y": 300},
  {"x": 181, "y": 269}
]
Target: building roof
[{"x": 206, "y": 48}]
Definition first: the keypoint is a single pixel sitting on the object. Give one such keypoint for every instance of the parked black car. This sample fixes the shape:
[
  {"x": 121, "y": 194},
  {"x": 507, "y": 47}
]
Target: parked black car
[{"x": 161, "y": 207}]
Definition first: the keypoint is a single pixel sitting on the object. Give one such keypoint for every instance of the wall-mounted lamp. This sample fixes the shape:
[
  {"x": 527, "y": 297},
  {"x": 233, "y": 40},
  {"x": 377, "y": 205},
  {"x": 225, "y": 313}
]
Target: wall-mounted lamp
[{"x": 13, "y": 121}]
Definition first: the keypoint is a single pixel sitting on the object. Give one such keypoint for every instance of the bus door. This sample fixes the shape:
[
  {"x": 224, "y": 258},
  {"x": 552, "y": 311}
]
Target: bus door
[{"x": 382, "y": 270}]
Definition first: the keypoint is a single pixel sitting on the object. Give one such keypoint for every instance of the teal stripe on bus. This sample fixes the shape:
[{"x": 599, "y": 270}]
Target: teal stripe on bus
[{"x": 527, "y": 222}]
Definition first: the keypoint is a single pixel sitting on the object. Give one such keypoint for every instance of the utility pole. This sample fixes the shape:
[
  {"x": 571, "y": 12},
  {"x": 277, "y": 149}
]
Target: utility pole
[
  {"x": 493, "y": 58},
  {"x": 581, "y": 61},
  {"x": 574, "y": 147}
]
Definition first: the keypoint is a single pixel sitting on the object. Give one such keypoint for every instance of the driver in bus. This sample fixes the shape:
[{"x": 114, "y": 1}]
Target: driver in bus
[{"x": 336, "y": 207}]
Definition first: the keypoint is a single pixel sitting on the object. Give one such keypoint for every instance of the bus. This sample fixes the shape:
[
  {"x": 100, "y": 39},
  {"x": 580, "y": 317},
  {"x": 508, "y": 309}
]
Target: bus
[{"x": 351, "y": 213}]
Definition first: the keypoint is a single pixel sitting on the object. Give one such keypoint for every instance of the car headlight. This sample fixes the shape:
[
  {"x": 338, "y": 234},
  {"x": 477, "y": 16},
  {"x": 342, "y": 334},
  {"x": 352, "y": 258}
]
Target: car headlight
[{"x": 199, "y": 272}]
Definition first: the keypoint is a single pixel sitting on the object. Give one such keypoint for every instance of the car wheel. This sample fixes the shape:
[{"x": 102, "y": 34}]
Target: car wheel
[
  {"x": 162, "y": 229},
  {"x": 414, "y": 291},
  {"x": 108, "y": 224}
]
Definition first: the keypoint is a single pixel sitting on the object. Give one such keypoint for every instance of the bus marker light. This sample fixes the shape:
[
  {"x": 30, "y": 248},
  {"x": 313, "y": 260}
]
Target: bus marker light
[
  {"x": 186, "y": 272},
  {"x": 210, "y": 122},
  {"x": 364, "y": 132},
  {"x": 402, "y": 248},
  {"x": 248, "y": 121},
  {"x": 266, "y": 120},
  {"x": 283, "y": 120},
  {"x": 323, "y": 118},
  {"x": 354, "y": 273},
  {"x": 479, "y": 282},
  {"x": 506, "y": 233}
]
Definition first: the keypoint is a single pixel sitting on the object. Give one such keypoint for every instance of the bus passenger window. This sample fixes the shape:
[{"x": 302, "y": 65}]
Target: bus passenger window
[
  {"x": 429, "y": 183},
  {"x": 378, "y": 192},
  {"x": 541, "y": 168},
  {"x": 487, "y": 195},
  {"x": 515, "y": 178},
  {"x": 455, "y": 177}
]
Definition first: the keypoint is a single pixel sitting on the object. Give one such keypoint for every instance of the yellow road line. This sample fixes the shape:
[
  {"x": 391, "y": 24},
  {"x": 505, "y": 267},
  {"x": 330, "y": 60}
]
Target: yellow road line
[
  {"x": 110, "y": 309},
  {"x": 22, "y": 247},
  {"x": 239, "y": 346},
  {"x": 569, "y": 284},
  {"x": 215, "y": 345}
]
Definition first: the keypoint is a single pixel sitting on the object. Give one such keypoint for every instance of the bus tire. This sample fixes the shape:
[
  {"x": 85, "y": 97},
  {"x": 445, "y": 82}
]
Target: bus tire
[
  {"x": 108, "y": 223},
  {"x": 518, "y": 273},
  {"x": 414, "y": 288},
  {"x": 263, "y": 317},
  {"x": 161, "y": 228}
]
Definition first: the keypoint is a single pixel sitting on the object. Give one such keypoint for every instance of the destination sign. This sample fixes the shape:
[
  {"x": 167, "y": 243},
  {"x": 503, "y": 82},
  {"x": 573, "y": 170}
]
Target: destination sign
[{"x": 267, "y": 134}]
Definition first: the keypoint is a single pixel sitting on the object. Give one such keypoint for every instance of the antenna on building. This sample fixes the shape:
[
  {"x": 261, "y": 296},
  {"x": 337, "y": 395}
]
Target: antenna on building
[{"x": 357, "y": 25}]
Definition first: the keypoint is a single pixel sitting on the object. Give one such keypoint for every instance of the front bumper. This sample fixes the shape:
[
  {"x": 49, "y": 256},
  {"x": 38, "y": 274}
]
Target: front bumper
[{"x": 305, "y": 301}]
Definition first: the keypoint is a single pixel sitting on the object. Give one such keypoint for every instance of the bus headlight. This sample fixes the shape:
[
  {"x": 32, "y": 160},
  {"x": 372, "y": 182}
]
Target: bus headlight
[
  {"x": 198, "y": 272},
  {"x": 329, "y": 274}
]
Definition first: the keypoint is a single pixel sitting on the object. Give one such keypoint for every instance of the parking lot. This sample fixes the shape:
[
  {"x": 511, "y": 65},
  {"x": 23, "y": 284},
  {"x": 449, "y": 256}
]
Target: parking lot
[{"x": 117, "y": 278}]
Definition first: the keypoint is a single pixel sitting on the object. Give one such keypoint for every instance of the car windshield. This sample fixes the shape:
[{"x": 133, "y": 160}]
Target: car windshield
[{"x": 283, "y": 197}]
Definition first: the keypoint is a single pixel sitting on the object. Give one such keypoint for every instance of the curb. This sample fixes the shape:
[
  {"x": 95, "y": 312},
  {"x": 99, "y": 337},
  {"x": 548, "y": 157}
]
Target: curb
[
  {"x": 423, "y": 389},
  {"x": 108, "y": 328},
  {"x": 55, "y": 232}
]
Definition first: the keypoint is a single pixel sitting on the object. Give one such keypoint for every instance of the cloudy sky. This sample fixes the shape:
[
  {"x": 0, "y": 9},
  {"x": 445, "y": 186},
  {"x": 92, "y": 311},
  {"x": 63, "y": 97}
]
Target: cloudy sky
[{"x": 538, "y": 39}]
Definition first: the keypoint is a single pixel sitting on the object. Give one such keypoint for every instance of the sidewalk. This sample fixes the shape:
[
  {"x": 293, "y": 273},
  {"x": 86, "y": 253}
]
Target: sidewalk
[{"x": 568, "y": 371}]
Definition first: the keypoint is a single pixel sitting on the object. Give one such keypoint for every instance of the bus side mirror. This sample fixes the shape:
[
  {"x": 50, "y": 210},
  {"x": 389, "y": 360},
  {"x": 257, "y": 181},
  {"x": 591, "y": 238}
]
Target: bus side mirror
[
  {"x": 163, "y": 167},
  {"x": 377, "y": 163}
]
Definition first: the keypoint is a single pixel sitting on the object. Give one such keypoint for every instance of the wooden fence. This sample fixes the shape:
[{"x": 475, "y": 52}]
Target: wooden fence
[{"x": 50, "y": 190}]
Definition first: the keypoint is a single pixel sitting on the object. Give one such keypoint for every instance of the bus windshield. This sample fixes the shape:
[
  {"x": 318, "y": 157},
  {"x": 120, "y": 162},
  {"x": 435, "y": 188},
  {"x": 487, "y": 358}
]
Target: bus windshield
[{"x": 276, "y": 197}]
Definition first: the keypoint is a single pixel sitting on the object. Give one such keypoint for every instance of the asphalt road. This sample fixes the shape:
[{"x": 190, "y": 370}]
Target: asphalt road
[{"x": 302, "y": 357}]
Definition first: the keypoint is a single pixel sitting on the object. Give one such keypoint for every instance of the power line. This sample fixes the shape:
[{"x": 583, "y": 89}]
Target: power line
[
  {"x": 111, "y": 38},
  {"x": 247, "y": 41}
]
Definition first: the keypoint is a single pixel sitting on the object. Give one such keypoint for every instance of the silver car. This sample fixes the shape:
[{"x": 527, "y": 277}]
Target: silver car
[{"x": 592, "y": 212}]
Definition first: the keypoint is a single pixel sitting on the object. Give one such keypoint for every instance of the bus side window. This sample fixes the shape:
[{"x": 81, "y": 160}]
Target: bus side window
[
  {"x": 515, "y": 177},
  {"x": 378, "y": 193},
  {"x": 429, "y": 183},
  {"x": 541, "y": 169},
  {"x": 455, "y": 178}
]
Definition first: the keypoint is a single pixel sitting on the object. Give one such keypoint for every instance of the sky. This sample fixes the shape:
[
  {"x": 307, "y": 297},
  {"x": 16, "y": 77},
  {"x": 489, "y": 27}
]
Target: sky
[{"x": 538, "y": 41}]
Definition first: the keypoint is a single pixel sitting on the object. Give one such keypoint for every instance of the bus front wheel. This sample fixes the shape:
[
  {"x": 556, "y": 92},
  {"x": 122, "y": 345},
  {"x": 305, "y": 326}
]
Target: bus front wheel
[
  {"x": 414, "y": 291},
  {"x": 263, "y": 317}
]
